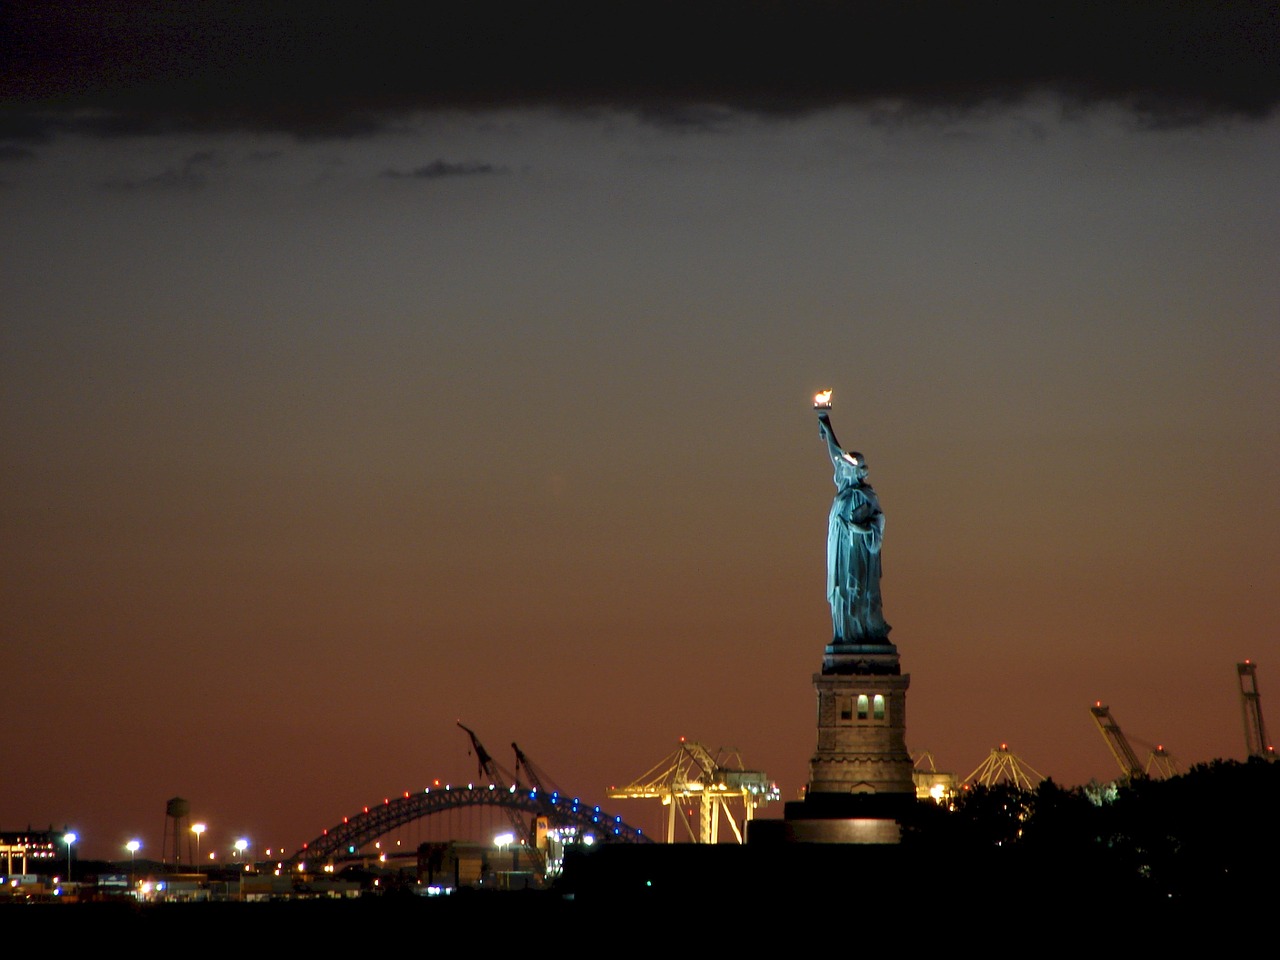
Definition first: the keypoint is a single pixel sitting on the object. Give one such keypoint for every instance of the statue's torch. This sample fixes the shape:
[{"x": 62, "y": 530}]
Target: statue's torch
[{"x": 822, "y": 406}]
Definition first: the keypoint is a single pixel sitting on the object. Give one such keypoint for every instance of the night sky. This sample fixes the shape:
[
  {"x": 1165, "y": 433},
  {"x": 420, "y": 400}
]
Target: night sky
[{"x": 368, "y": 372}]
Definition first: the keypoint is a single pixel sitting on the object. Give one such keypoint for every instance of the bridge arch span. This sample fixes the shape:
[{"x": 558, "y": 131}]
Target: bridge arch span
[{"x": 355, "y": 831}]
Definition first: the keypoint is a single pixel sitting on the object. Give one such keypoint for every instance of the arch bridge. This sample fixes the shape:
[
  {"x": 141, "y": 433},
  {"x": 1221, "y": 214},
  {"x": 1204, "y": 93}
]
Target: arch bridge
[{"x": 568, "y": 814}]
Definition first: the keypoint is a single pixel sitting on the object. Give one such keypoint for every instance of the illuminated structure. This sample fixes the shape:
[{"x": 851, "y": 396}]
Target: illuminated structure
[
  {"x": 31, "y": 851},
  {"x": 1001, "y": 766},
  {"x": 692, "y": 774},
  {"x": 860, "y": 775},
  {"x": 542, "y": 822},
  {"x": 932, "y": 783},
  {"x": 855, "y": 531}
]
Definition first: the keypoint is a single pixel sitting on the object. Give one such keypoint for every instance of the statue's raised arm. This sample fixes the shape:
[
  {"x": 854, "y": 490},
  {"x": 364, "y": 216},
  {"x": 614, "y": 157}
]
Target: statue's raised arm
[{"x": 834, "y": 449}]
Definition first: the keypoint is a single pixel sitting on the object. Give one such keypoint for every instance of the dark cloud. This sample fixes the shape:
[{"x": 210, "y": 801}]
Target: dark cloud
[
  {"x": 191, "y": 174},
  {"x": 694, "y": 117},
  {"x": 335, "y": 68},
  {"x": 443, "y": 168}
]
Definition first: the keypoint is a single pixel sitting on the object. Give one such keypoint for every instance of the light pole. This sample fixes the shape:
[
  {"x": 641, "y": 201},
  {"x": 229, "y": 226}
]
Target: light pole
[
  {"x": 133, "y": 846},
  {"x": 198, "y": 829},
  {"x": 241, "y": 846},
  {"x": 70, "y": 838}
]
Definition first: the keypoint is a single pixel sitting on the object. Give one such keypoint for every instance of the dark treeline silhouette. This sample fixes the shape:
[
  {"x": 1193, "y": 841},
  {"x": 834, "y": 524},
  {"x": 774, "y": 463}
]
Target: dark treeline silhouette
[{"x": 1208, "y": 836}]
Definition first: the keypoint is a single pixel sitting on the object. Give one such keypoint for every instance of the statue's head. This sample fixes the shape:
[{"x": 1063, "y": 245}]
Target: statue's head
[{"x": 854, "y": 463}]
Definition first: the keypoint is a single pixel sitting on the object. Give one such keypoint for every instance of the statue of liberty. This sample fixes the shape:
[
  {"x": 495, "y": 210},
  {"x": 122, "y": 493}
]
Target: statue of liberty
[{"x": 855, "y": 531}]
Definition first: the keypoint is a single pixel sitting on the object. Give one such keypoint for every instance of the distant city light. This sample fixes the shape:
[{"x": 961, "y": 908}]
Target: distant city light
[
  {"x": 198, "y": 829},
  {"x": 70, "y": 838}
]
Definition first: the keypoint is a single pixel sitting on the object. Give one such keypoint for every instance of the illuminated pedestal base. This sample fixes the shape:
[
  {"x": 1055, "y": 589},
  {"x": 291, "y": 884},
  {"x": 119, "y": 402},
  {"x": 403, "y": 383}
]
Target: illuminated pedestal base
[
  {"x": 862, "y": 723},
  {"x": 804, "y": 829},
  {"x": 860, "y": 780}
]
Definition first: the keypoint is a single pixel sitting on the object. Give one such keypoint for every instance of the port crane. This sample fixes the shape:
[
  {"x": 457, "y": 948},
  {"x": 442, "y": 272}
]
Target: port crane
[
  {"x": 931, "y": 783},
  {"x": 1159, "y": 759},
  {"x": 692, "y": 773},
  {"x": 1001, "y": 766},
  {"x": 524, "y": 831},
  {"x": 1117, "y": 742},
  {"x": 1163, "y": 762},
  {"x": 1255, "y": 731}
]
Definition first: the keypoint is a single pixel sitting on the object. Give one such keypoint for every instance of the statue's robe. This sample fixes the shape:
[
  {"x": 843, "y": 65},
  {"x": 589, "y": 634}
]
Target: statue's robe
[{"x": 855, "y": 532}]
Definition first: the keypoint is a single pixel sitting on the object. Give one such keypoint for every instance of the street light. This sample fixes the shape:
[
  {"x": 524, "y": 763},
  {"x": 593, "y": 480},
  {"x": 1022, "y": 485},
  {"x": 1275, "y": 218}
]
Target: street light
[
  {"x": 70, "y": 838},
  {"x": 241, "y": 846},
  {"x": 133, "y": 846},
  {"x": 198, "y": 829}
]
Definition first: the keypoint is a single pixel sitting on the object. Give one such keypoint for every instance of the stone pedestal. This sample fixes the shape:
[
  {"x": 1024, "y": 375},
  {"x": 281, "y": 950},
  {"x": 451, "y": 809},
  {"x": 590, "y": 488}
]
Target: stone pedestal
[
  {"x": 862, "y": 723},
  {"x": 860, "y": 774}
]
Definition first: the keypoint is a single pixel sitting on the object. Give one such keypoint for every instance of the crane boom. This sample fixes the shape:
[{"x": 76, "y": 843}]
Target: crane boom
[
  {"x": 488, "y": 768},
  {"x": 537, "y": 777},
  {"x": 1116, "y": 741}
]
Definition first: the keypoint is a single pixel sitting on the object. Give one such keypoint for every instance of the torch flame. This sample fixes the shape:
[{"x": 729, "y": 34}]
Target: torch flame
[{"x": 822, "y": 399}]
